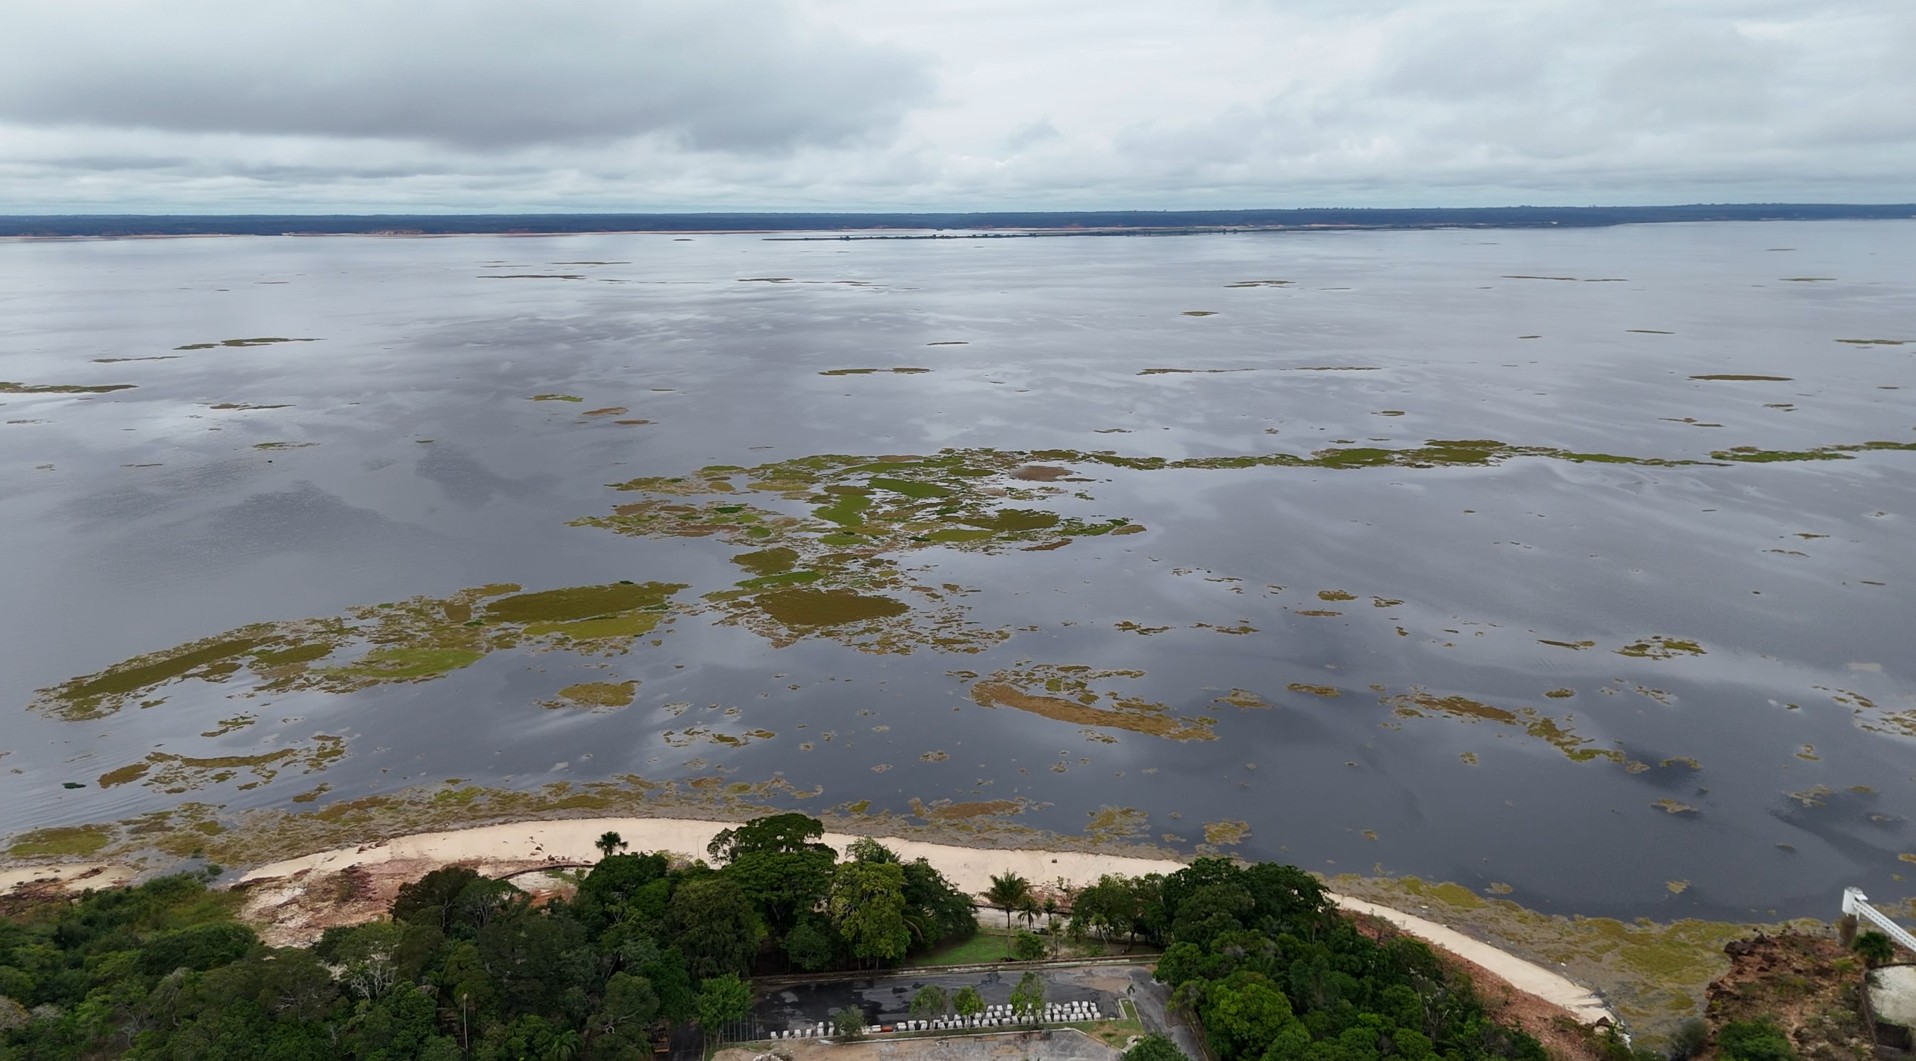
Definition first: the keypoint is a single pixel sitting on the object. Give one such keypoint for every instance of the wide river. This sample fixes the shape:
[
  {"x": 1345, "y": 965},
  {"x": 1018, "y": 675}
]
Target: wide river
[{"x": 1573, "y": 565}]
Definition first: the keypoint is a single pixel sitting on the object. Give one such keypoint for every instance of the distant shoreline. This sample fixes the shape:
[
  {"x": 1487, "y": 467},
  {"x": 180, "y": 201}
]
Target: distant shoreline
[{"x": 920, "y": 224}]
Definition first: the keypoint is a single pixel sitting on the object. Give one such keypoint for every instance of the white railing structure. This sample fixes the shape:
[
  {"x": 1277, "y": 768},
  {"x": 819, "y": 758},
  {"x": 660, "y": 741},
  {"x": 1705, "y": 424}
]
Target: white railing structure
[{"x": 1856, "y": 904}]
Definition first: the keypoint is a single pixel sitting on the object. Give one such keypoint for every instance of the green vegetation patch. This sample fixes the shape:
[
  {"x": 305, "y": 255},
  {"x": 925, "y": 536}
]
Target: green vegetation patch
[
  {"x": 1421, "y": 703},
  {"x": 1659, "y": 647},
  {"x": 767, "y": 561},
  {"x": 580, "y": 602},
  {"x": 829, "y": 607},
  {"x": 418, "y": 639},
  {"x": 1072, "y": 694},
  {"x": 597, "y": 694},
  {"x": 9, "y": 387},
  {"x": 63, "y": 841},
  {"x": 264, "y": 340},
  {"x": 407, "y": 664}
]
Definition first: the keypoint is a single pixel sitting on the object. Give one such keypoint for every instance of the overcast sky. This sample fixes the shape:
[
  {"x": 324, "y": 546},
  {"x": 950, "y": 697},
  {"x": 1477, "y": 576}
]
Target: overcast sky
[{"x": 514, "y": 105}]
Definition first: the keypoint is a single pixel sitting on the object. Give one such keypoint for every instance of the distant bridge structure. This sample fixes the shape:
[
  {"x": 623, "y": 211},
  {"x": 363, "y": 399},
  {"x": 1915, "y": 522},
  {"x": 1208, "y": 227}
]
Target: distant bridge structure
[{"x": 1856, "y": 905}]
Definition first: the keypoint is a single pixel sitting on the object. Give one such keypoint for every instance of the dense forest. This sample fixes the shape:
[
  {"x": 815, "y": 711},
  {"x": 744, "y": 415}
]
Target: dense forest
[
  {"x": 470, "y": 967},
  {"x": 73, "y": 225}
]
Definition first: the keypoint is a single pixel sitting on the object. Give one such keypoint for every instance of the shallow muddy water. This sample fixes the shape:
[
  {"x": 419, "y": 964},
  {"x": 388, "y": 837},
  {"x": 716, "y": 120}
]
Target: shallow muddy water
[{"x": 1569, "y": 565}]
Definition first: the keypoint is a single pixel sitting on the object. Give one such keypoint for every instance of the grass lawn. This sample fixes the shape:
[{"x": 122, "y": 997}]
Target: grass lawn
[
  {"x": 1114, "y": 1033},
  {"x": 978, "y": 950},
  {"x": 988, "y": 946}
]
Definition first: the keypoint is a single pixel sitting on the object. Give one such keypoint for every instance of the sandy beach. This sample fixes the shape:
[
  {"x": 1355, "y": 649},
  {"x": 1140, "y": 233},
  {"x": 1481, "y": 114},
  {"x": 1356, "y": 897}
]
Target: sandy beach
[
  {"x": 83, "y": 874},
  {"x": 519, "y": 845}
]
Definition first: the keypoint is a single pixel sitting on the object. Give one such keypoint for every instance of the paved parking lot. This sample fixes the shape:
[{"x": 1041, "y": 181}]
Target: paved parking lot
[{"x": 886, "y": 998}]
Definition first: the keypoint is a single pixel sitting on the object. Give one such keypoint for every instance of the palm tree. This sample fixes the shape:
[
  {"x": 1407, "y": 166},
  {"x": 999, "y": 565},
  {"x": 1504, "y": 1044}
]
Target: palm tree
[
  {"x": 1029, "y": 909},
  {"x": 1874, "y": 948},
  {"x": 609, "y": 842},
  {"x": 564, "y": 1046},
  {"x": 1008, "y": 891}
]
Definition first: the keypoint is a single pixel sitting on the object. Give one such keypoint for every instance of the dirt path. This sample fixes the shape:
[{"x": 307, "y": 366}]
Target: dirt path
[{"x": 1528, "y": 977}]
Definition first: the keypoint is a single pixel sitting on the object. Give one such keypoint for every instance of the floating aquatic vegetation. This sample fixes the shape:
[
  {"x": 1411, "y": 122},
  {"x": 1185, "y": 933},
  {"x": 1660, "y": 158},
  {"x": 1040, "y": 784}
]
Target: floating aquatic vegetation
[
  {"x": 9, "y": 387},
  {"x": 1745, "y": 377},
  {"x": 1115, "y": 823},
  {"x": 1670, "y": 806},
  {"x": 1066, "y": 693},
  {"x": 1421, "y": 703},
  {"x": 1753, "y": 455},
  {"x": 947, "y": 811},
  {"x": 245, "y": 406},
  {"x": 555, "y": 398},
  {"x": 1244, "y": 698},
  {"x": 1659, "y": 647},
  {"x": 1261, "y": 283},
  {"x": 412, "y": 640},
  {"x": 1194, "y": 371},
  {"x": 1226, "y": 832},
  {"x": 872, "y": 371},
  {"x": 596, "y": 695},
  {"x": 284, "y": 445},
  {"x": 1327, "y": 692},
  {"x": 267, "y": 340},
  {"x": 175, "y": 774},
  {"x": 1877, "y": 342}
]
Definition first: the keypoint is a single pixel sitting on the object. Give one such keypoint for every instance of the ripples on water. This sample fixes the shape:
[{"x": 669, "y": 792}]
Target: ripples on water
[{"x": 1479, "y": 555}]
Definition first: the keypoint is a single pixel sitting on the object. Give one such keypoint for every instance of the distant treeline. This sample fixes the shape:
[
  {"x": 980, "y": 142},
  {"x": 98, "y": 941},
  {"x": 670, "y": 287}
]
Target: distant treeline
[{"x": 107, "y": 225}]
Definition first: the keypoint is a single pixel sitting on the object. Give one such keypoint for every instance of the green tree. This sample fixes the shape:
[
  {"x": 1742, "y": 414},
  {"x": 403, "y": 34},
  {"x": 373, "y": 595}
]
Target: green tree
[
  {"x": 1006, "y": 892},
  {"x": 627, "y": 1005},
  {"x": 432, "y": 897},
  {"x": 722, "y": 1000},
  {"x": 783, "y": 885},
  {"x": 366, "y": 955},
  {"x": 934, "y": 902},
  {"x": 848, "y": 1023},
  {"x": 1874, "y": 948},
  {"x": 715, "y": 925},
  {"x": 929, "y": 1003},
  {"x": 868, "y": 908},
  {"x": 1154, "y": 1047},
  {"x": 968, "y": 1002},
  {"x": 866, "y": 849},
  {"x": 1027, "y": 946},
  {"x": 777, "y": 833},
  {"x": 609, "y": 843},
  {"x": 1107, "y": 908},
  {"x": 810, "y": 944},
  {"x": 1244, "y": 1014},
  {"x": 1027, "y": 999},
  {"x": 1753, "y": 1040}
]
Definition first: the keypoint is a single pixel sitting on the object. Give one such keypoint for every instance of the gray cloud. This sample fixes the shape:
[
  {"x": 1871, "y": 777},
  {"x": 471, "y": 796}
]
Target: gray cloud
[
  {"x": 744, "y": 75},
  {"x": 490, "y": 105}
]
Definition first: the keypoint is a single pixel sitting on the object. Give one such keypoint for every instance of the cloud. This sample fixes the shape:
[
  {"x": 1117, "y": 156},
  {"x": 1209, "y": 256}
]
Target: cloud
[
  {"x": 739, "y": 75},
  {"x": 370, "y": 105}
]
